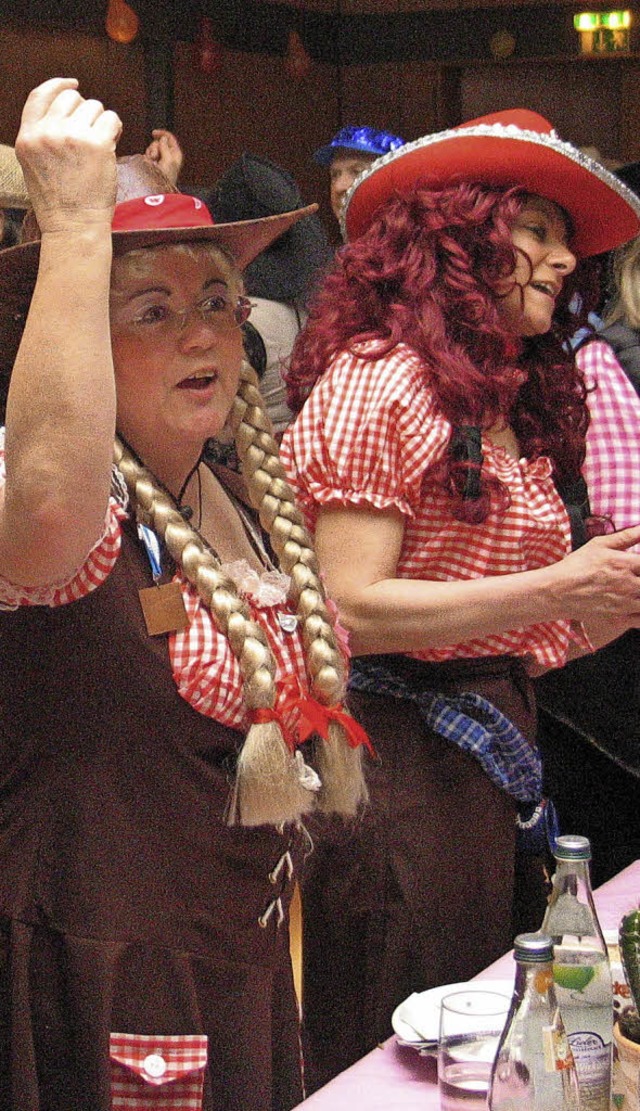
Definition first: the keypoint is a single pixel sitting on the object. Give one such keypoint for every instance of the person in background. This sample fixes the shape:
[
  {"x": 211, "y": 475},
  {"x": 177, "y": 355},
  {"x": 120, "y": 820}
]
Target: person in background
[
  {"x": 280, "y": 280},
  {"x": 349, "y": 153},
  {"x": 440, "y": 438},
  {"x": 165, "y": 150},
  {"x": 13, "y": 196},
  {"x": 590, "y": 709},
  {"x": 157, "y": 651}
]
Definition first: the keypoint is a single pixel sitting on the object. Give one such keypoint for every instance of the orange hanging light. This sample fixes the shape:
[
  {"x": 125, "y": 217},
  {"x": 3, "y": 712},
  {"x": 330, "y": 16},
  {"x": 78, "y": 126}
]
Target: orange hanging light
[
  {"x": 297, "y": 62},
  {"x": 122, "y": 23}
]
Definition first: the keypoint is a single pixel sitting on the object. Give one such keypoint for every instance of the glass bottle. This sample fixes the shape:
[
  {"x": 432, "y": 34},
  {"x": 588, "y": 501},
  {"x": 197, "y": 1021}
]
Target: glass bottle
[
  {"x": 581, "y": 971},
  {"x": 534, "y": 1068}
]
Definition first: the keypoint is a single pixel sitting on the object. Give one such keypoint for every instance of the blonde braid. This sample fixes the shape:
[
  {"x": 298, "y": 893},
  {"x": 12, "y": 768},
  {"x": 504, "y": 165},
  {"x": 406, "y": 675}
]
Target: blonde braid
[
  {"x": 339, "y": 764},
  {"x": 268, "y": 785}
]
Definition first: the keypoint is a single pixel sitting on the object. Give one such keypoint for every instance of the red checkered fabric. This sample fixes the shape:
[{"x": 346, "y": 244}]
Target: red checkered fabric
[
  {"x": 206, "y": 672},
  {"x": 157, "y": 1072},
  {"x": 612, "y": 465},
  {"x": 369, "y": 435}
]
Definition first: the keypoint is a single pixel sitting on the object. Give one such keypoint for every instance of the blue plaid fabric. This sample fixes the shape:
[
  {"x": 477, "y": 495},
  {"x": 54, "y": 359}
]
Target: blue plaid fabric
[
  {"x": 480, "y": 729},
  {"x": 471, "y": 722}
]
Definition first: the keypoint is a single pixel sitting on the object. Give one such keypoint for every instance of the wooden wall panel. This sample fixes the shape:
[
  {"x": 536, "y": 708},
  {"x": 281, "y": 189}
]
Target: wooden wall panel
[
  {"x": 251, "y": 104},
  {"x": 584, "y": 100},
  {"x": 360, "y": 7},
  {"x": 403, "y": 99},
  {"x": 110, "y": 72},
  {"x": 630, "y": 114}
]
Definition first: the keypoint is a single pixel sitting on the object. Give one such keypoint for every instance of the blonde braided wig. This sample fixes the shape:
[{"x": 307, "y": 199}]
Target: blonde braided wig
[{"x": 268, "y": 787}]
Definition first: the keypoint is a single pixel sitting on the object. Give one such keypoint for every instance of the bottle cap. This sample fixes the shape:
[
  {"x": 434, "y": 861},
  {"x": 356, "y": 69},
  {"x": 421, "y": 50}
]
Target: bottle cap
[
  {"x": 534, "y": 948},
  {"x": 572, "y": 847}
]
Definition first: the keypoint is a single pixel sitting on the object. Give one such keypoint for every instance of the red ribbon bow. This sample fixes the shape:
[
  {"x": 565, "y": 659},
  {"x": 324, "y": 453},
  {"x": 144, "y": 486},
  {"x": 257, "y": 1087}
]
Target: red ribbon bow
[{"x": 313, "y": 717}]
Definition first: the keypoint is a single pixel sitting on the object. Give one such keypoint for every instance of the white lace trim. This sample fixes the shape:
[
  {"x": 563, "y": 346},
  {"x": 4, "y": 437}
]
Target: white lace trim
[{"x": 271, "y": 588}]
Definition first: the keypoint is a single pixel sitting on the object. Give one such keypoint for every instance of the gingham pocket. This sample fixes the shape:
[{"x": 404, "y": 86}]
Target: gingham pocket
[{"x": 157, "y": 1073}]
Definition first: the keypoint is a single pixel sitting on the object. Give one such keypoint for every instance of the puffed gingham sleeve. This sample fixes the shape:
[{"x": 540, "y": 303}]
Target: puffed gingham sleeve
[
  {"x": 366, "y": 436},
  {"x": 93, "y": 571},
  {"x": 613, "y": 437}
]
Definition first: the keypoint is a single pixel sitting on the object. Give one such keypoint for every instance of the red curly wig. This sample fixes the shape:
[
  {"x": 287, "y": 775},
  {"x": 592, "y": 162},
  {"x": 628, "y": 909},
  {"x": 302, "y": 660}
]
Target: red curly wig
[{"x": 427, "y": 273}]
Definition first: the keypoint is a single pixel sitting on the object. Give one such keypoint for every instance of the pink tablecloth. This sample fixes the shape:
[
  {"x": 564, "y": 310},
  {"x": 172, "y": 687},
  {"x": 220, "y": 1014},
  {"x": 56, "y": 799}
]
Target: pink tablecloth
[{"x": 393, "y": 1076}]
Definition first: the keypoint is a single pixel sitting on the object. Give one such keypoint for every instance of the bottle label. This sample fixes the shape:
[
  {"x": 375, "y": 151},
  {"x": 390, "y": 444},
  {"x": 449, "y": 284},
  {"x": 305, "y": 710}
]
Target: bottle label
[
  {"x": 557, "y": 1051},
  {"x": 593, "y": 1064}
]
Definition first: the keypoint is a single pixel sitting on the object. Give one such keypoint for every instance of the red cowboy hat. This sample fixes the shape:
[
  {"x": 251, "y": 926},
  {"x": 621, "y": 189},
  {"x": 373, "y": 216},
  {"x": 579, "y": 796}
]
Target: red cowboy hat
[
  {"x": 149, "y": 212},
  {"x": 512, "y": 148}
]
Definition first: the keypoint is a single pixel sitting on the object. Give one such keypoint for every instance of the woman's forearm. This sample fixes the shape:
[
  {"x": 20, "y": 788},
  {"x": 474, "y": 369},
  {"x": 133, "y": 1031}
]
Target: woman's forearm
[
  {"x": 408, "y": 615},
  {"x": 60, "y": 412},
  {"x": 359, "y": 550}
]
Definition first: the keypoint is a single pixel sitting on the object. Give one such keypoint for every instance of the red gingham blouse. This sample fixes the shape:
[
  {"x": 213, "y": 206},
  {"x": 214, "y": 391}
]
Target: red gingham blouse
[
  {"x": 369, "y": 434},
  {"x": 612, "y": 465},
  {"x": 204, "y": 668}
]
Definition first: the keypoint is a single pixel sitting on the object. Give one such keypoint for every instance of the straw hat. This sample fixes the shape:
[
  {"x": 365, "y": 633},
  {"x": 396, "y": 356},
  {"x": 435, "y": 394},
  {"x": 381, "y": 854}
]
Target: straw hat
[
  {"x": 512, "y": 148},
  {"x": 149, "y": 212},
  {"x": 13, "y": 191}
]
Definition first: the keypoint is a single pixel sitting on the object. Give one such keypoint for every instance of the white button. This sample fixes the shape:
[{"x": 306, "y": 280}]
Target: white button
[{"x": 154, "y": 1065}]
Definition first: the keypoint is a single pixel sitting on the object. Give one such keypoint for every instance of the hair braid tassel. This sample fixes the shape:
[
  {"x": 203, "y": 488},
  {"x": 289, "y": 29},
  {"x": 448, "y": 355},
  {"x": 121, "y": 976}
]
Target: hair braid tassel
[{"x": 268, "y": 788}]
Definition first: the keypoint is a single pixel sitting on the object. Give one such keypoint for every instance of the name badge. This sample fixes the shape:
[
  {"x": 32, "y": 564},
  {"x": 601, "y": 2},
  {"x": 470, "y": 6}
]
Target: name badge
[{"x": 162, "y": 604}]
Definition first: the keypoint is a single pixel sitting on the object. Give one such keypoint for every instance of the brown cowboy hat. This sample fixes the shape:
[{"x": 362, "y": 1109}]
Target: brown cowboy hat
[{"x": 149, "y": 212}]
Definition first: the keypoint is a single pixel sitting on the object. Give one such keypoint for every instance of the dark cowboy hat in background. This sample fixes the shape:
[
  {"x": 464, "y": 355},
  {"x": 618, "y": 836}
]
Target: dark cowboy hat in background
[
  {"x": 151, "y": 224},
  {"x": 254, "y": 187}
]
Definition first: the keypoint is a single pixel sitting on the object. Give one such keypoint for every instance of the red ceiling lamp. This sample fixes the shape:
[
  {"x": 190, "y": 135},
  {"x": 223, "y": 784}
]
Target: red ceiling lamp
[
  {"x": 208, "y": 50},
  {"x": 297, "y": 62},
  {"x": 122, "y": 24}
]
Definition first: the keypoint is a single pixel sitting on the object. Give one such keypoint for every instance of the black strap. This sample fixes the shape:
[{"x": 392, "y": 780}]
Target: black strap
[
  {"x": 465, "y": 446},
  {"x": 576, "y": 502},
  {"x": 254, "y": 348}
]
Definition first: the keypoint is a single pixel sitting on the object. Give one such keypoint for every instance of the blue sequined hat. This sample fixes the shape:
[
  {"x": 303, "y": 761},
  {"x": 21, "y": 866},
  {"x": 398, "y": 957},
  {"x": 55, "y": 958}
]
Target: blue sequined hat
[{"x": 365, "y": 139}]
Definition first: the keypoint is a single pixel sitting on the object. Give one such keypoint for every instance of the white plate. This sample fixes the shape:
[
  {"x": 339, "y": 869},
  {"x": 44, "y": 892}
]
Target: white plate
[{"x": 416, "y": 1020}]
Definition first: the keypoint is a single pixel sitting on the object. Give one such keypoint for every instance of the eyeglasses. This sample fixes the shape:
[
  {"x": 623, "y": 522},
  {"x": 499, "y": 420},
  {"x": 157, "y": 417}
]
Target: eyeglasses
[{"x": 161, "y": 321}]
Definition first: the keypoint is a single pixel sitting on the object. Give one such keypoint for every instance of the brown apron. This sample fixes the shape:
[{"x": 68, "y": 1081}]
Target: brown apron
[
  {"x": 425, "y": 889},
  {"x": 126, "y": 903}
]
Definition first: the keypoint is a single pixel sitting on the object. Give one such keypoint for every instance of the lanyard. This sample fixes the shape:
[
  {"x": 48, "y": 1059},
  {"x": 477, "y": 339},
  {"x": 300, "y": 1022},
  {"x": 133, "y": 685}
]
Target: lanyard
[{"x": 152, "y": 546}]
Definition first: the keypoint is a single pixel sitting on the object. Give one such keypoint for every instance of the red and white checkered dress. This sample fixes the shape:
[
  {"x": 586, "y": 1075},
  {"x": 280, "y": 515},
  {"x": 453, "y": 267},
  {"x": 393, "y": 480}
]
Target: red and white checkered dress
[
  {"x": 205, "y": 670},
  {"x": 612, "y": 465},
  {"x": 370, "y": 434}
]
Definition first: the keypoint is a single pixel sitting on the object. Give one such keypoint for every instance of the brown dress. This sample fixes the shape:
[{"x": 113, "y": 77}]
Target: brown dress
[
  {"x": 425, "y": 890},
  {"x": 126, "y": 903}
]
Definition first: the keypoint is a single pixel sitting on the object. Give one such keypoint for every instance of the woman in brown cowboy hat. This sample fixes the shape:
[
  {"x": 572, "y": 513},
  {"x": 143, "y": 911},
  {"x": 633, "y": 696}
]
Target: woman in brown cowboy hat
[
  {"x": 161, "y": 655},
  {"x": 444, "y": 429}
]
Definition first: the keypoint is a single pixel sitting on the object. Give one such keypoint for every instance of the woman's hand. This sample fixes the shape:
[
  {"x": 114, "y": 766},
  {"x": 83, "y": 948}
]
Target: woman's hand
[
  {"x": 66, "y": 147},
  {"x": 599, "y": 586}
]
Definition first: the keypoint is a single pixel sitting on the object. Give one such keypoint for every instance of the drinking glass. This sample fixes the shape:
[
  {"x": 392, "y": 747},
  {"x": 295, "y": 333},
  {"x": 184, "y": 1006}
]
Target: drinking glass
[{"x": 471, "y": 1022}]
